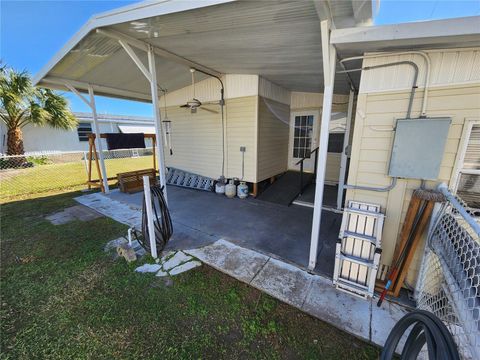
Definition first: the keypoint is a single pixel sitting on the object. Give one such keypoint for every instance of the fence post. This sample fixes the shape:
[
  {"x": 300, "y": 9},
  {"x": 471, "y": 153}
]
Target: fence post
[{"x": 85, "y": 161}]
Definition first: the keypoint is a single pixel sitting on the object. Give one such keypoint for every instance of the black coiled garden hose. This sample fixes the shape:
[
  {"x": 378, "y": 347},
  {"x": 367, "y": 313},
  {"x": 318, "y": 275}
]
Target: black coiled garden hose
[
  {"x": 427, "y": 328},
  {"x": 162, "y": 221}
]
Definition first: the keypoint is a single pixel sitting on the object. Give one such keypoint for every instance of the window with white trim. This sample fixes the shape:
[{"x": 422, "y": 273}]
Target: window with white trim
[{"x": 468, "y": 173}]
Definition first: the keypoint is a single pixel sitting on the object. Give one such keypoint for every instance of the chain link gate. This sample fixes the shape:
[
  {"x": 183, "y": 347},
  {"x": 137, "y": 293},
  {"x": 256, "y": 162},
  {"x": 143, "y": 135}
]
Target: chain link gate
[{"x": 449, "y": 281}]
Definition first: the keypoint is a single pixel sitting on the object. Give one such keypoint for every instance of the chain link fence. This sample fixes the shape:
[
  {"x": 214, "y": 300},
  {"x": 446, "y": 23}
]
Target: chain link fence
[
  {"x": 449, "y": 282},
  {"x": 26, "y": 175}
]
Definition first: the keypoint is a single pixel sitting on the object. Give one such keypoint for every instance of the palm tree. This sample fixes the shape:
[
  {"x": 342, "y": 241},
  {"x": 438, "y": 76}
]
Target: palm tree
[{"x": 22, "y": 104}]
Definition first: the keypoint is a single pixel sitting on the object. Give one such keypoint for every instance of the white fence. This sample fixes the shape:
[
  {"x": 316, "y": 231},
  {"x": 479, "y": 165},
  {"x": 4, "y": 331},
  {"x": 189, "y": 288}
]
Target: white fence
[
  {"x": 26, "y": 175},
  {"x": 449, "y": 282}
]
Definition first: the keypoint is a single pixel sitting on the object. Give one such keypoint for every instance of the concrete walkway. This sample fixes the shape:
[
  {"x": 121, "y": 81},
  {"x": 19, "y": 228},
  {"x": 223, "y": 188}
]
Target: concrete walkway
[{"x": 312, "y": 294}]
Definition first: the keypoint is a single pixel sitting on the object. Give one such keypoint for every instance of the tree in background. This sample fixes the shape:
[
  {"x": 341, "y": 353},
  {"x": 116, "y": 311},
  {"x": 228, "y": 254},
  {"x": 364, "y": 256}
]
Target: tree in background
[{"x": 22, "y": 104}]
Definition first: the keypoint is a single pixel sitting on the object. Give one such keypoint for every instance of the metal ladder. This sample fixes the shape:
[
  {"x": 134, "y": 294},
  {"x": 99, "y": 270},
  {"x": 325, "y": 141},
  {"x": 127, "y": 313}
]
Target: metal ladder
[
  {"x": 358, "y": 250},
  {"x": 185, "y": 179}
]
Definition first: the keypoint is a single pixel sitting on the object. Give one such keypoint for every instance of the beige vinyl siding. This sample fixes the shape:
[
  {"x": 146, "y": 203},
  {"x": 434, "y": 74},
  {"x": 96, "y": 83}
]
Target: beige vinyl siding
[
  {"x": 197, "y": 139},
  {"x": 241, "y": 127},
  {"x": 273, "y": 134},
  {"x": 372, "y": 141},
  {"x": 448, "y": 67}
]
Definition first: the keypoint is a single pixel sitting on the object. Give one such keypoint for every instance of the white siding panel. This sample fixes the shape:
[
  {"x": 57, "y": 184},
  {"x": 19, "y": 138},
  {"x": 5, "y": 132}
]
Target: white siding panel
[
  {"x": 448, "y": 67},
  {"x": 241, "y": 127},
  {"x": 209, "y": 89},
  {"x": 197, "y": 140},
  {"x": 241, "y": 85},
  {"x": 273, "y": 134},
  {"x": 306, "y": 100},
  {"x": 272, "y": 91}
]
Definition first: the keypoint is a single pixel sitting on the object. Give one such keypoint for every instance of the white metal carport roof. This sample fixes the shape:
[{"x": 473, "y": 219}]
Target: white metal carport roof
[{"x": 279, "y": 40}]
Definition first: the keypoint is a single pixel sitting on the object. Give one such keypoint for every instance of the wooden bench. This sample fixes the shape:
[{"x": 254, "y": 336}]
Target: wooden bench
[{"x": 132, "y": 181}]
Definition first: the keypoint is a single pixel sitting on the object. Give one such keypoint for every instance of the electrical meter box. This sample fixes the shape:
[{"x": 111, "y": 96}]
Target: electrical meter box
[{"x": 418, "y": 148}]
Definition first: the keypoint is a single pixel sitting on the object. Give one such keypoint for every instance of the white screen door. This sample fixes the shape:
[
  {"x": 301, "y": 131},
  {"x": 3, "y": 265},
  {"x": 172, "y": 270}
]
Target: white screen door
[{"x": 303, "y": 139}]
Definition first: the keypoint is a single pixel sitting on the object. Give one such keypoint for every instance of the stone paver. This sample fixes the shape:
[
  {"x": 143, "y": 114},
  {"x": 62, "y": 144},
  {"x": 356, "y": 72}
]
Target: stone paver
[
  {"x": 184, "y": 267},
  {"x": 162, "y": 273},
  {"x": 283, "y": 281},
  {"x": 238, "y": 262},
  {"x": 176, "y": 260},
  {"x": 116, "y": 210},
  {"x": 148, "y": 268},
  {"x": 77, "y": 212}
]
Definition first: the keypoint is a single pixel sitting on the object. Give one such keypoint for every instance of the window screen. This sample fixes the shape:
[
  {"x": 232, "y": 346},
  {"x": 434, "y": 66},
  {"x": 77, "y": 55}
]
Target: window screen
[
  {"x": 468, "y": 187},
  {"x": 83, "y": 130},
  {"x": 335, "y": 142},
  {"x": 302, "y": 140}
]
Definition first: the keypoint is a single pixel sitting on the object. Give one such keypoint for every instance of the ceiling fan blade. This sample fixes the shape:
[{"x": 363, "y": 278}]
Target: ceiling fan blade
[{"x": 184, "y": 106}]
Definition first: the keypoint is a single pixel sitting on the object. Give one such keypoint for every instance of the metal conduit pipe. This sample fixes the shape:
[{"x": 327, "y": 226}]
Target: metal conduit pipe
[
  {"x": 405, "y": 62},
  {"x": 409, "y": 110},
  {"x": 415, "y": 77},
  {"x": 428, "y": 64},
  {"x": 372, "y": 188}
]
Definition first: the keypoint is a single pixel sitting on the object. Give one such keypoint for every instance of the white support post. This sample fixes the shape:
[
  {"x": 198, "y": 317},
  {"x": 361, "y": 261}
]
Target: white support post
[
  {"x": 91, "y": 104},
  {"x": 150, "y": 224},
  {"x": 136, "y": 60},
  {"x": 343, "y": 159},
  {"x": 329, "y": 59},
  {"x": 98, "y": 139},
  {"x": 151, "y": 75},
  {"x": 158, "y": 121}
]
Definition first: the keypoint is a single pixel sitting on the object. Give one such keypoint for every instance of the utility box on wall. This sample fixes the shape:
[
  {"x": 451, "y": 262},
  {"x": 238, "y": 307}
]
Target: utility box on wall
[{"x": 418, "y": 148}]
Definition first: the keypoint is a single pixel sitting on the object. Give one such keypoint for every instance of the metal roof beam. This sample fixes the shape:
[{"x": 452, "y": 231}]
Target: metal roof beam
[
  {"x": 142, "y": 45},
  {"x": 98, "y": 88}
]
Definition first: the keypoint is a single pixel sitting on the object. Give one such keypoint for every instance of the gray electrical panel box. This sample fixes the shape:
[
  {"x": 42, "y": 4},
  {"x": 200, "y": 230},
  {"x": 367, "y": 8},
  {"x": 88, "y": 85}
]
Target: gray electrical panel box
[{"x": 418, "y": 148}]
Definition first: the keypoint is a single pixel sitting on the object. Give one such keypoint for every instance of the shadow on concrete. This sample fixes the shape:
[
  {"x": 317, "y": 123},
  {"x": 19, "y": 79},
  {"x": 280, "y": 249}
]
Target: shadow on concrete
[{"x": 201, "y": 217}]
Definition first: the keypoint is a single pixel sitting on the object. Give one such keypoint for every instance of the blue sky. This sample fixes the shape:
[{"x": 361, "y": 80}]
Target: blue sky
[{"x": 33, "y": 31}]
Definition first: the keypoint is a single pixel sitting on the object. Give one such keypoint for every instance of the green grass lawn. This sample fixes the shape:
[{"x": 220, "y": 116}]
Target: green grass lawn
[
  {"x": 62, "y": 297},
  {"x": 23, "y": 183}
]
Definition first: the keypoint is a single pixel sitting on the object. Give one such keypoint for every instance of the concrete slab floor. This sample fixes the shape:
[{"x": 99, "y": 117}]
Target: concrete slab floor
[{"x": 200, "y": 218}]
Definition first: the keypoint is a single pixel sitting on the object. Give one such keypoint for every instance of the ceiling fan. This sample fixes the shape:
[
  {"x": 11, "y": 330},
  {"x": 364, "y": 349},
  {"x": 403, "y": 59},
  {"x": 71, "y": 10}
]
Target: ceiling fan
[{"x": 194, "y": 103}]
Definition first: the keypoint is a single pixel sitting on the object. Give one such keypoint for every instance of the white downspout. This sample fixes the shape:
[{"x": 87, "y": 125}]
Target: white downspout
[
  {"x": 343, "y": 159},
  {"x": 329, "y": 54}
]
